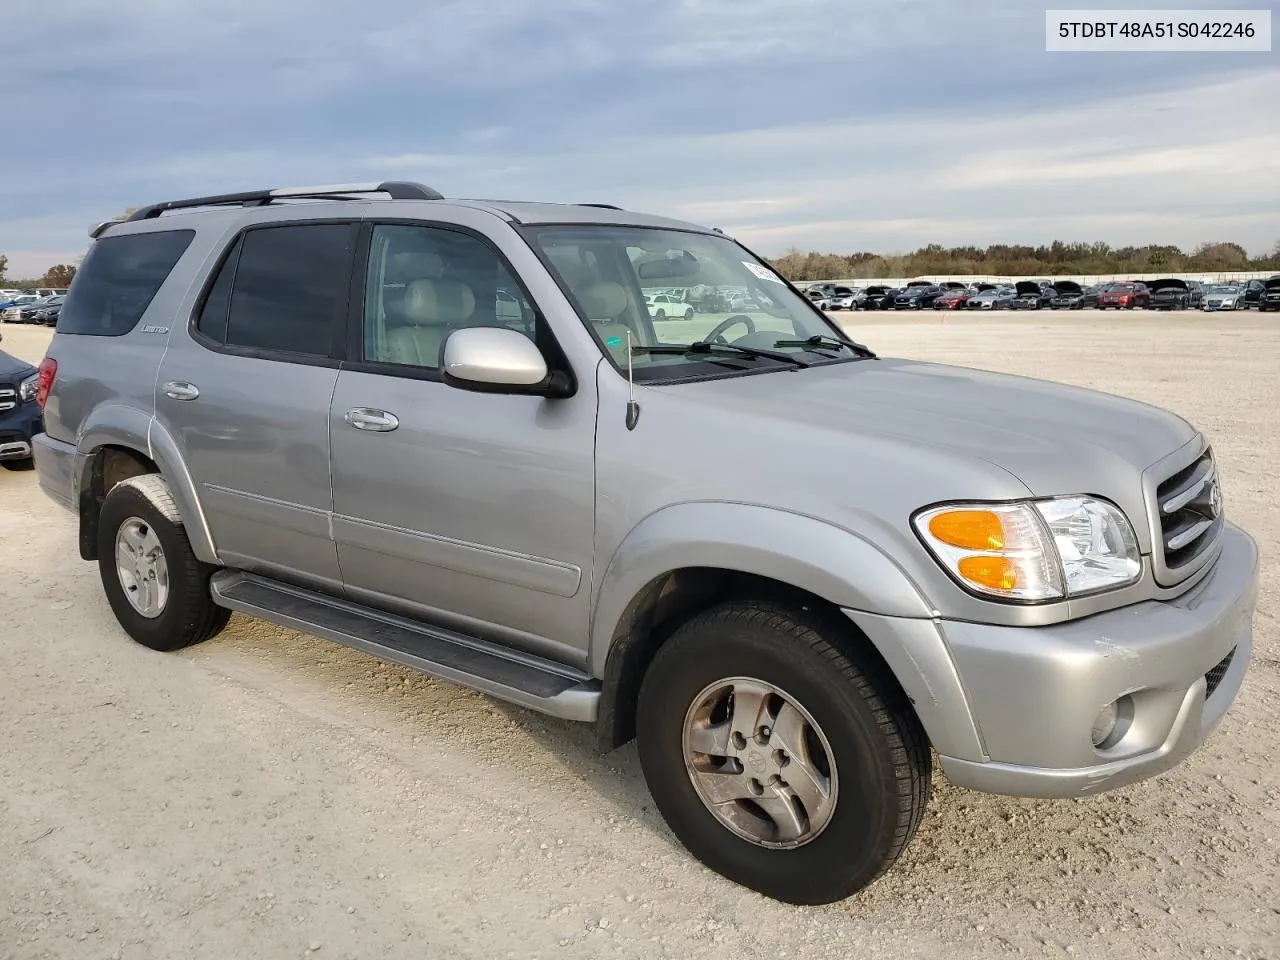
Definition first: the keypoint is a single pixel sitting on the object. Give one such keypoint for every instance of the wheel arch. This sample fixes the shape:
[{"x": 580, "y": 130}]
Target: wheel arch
[
  {"x": 688, "y": 557},
  {"x": 120, "y": 443}
]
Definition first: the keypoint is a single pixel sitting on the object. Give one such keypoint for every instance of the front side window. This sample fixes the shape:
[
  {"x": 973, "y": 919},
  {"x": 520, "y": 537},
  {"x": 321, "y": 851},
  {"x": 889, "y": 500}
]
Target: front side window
[
  {"x": 282, "y": 290},
  {"x": 425, "y": 282},
  {"x": 721, "y": 293},
  {"x": 118, "y": 280}
]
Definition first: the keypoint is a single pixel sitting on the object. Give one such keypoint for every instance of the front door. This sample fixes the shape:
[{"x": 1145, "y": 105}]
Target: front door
[
  {"x": 473, "y": 510},
  {"x": 246, "y": 396}
]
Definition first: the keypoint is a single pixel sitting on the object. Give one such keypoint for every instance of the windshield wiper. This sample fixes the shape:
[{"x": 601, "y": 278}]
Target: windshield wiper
[
  {"x": 706, "y": 346},
  {"x": 822, "y": 340}
]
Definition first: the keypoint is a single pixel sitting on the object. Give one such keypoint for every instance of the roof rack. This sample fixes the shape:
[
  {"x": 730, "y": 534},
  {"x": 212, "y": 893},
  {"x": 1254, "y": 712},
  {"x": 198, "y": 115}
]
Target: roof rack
[
  {"x": 395, "y": 189},
  {"x": 605, "y": 206}
]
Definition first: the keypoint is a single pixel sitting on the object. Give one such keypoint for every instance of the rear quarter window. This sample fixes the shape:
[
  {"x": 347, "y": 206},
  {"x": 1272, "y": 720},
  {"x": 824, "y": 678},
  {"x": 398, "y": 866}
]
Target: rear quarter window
[{"x": 118, "y": 280}]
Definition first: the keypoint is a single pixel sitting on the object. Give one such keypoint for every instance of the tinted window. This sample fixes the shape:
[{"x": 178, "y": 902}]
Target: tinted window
[
  {"x": 288, "y": 289},
  {"x": 425, "y": 282},
  {"x": 118, "y": 280}
]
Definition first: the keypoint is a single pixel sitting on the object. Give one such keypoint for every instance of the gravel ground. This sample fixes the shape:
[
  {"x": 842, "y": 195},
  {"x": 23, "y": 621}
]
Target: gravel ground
[{"x": 271, "y": 795}]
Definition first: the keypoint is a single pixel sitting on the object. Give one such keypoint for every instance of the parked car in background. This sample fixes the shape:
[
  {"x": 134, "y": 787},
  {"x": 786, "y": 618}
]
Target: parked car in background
[
  {"x": 841, "y": 298},
  {"x": 1270, "y": 299},
  {"x": 1170, "y": 293},
  {"x": 1032, "y": 295},
  {"x": 19, "y": 413},
  {"x": 953, "y": 299},
  {"x": 1251, "y": 293},
  {"x": 1224, "y": 296},
  {"x": 11, "y": 309},
  {"x": 1128, "y": 295},
  {"x": 663, "y": 306},
  {"x": 874, "y": 297},
  {"x": 51, "y": 291},
  {"x": 916, "y": 296},
  {"x": 48, "y": 310},
  {"x": 1065, "y": 295},
  {"x": 27, "y": 312},
  {"x": 995, "y": 298}
]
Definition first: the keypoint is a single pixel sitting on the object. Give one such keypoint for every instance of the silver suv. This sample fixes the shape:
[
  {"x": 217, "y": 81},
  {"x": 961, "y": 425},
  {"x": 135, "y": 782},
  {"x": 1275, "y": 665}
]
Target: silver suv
[{"x": 450, "y": 433}]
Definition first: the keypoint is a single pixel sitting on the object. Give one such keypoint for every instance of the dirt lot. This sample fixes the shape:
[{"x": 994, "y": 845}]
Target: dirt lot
[{"x": 267, "y": 794}]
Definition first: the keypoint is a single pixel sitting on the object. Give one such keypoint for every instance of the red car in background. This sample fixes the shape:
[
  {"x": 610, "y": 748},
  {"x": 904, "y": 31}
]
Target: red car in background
[
  {"x": 1124, "y": 296},
  {"x": 953, "y": 299}
]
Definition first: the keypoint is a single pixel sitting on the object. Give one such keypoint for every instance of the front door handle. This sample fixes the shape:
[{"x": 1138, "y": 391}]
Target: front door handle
[
  {"x": 367, "y": 418},
  {"x": 181, "y": 390}
]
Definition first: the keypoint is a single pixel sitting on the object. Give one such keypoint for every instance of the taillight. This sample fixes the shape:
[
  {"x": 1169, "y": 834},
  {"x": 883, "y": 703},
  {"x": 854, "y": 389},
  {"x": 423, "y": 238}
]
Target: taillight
[{"x": 48, "y": 370}]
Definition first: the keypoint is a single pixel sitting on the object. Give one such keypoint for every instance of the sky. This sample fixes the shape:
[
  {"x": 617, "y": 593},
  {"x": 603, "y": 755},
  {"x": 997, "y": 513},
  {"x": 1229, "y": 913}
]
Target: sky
[{"x": 836, "y": 125}]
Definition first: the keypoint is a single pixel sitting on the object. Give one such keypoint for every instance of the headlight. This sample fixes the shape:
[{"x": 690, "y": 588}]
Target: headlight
[
  {"x": 1033, "y": 551},
  {"x": 27, "y": 389}
]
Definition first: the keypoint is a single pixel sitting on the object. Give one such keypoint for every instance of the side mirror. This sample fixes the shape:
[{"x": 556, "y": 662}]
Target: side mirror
[{"x": 499, "y": 360}]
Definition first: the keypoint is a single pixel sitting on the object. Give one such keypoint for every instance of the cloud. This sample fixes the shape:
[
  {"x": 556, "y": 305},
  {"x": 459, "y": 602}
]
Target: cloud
[{"x": 841, "y": 123}]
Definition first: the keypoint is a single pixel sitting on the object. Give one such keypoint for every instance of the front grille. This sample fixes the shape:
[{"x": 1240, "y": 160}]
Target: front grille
[
  {"x": 8, "y": 397},
  {"x": 1213, "y": 679},
  {"x": 1188, "y": 507}
]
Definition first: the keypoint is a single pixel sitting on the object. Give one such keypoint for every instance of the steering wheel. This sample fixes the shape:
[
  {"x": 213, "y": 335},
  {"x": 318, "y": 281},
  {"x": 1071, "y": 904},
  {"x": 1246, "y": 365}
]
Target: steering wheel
[{"x": 717, "y": 335}]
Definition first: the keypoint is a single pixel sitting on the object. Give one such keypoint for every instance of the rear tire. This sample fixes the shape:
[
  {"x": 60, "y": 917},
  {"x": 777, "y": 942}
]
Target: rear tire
[
  {"x": 18, "y": 465},
  {"x": 157, "y": 588},
  {"x": 877, "y": 764}
]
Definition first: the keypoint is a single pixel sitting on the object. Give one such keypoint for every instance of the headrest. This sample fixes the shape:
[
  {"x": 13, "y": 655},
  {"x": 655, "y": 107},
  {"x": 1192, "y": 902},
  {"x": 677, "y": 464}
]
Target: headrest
[
  {"x": 603, "y": 300},
  {"x": 429, "y": 303},
  {"x": 415, "y": 265}
]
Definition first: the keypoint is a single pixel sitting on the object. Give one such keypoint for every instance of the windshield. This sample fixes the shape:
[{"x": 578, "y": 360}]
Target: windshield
[{"x": 732, "y": 297}]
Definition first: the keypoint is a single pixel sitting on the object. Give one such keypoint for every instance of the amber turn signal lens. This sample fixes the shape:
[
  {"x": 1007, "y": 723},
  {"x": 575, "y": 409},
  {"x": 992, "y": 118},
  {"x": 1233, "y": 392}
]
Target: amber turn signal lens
[
  {"x": 970, "y": 529},
  {"x": 994, "y": 573}
]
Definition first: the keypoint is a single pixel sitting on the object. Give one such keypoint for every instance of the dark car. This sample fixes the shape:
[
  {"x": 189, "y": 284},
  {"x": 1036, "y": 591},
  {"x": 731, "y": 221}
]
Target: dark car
[
  {"x": 19, "y": 412},
  {"x": 953, "y": 299},
  {"x": 1032, "y": 295},
  {"x": 1066, "y": 295},
  {"x": 1127, "y": 295},
  {"x": 1170, "y": 293},
  {"x": 1251, "y": 293},
  {"x": 917, "y": 296},
  {"x": 48, "y": 311},
  {"x": 1270, "y": 299},
  {"x": 872, "y": 298}
]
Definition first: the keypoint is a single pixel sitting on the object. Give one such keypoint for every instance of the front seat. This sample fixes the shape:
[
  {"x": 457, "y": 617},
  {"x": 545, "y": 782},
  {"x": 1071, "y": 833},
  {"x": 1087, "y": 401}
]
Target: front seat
[
  {"x": 431, "y": 310},
  {"x": 604, "y": 303}
]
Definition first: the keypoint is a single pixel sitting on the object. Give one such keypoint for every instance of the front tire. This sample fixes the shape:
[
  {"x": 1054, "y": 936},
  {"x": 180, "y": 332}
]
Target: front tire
[
  {"x": 157, "y": 588},
  {"x": 18, "y": 465},
  {"x": 780, "y": 755}
]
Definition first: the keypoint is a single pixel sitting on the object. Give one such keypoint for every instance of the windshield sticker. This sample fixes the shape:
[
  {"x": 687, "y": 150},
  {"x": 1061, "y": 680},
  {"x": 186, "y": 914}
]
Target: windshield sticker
[
  {"x": 764, "y": 273},
  {"x": 615, "y": 342}
]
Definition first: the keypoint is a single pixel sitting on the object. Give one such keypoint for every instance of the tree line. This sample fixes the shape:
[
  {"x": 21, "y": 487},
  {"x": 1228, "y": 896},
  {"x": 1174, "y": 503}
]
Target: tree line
[
  {"x": 58, "y": 275},
  {"x": 1014, "y": 260}
]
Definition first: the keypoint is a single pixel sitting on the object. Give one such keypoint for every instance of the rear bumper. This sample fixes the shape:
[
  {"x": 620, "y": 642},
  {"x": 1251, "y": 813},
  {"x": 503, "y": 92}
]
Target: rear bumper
[
  {"x": 1011, "y": 709},
  {"x": 57, "y": 469}
]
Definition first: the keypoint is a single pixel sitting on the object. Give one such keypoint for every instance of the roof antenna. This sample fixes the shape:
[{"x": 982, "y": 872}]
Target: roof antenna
[{"x": 633, "y": 408}]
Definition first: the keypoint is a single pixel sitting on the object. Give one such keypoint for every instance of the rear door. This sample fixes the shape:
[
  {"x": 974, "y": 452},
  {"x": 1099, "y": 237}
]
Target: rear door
[{"x": 246, "y": 392}]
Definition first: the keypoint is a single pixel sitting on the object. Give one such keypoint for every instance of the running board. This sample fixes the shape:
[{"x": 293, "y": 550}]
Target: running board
[{"x": 511, "y": 675}]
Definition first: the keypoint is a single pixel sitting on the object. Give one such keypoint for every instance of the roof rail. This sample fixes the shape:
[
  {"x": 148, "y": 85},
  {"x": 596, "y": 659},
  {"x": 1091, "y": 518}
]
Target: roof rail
[
  {"x": 395, "y": 189},
  {"x": 605, "y": 206}
]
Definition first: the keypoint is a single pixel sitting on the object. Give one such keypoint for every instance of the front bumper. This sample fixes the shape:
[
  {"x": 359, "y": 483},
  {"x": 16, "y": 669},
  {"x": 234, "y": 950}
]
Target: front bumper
[
  {"x": 1010, "y": 710},
  {"x": 17, "y": 427}
]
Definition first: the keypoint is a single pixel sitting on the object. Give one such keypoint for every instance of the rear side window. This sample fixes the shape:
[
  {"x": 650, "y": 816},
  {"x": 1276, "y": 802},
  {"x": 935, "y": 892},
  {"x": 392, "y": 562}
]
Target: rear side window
[
  {"x": 118, "y": 280},
  {"x": 282, "y": 290}
]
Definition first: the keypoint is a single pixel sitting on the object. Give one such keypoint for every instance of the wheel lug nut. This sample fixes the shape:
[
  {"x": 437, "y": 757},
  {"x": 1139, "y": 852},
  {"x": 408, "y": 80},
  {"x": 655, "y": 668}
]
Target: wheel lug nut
[
  {"x": 755, "y": 786},
  {"x": 780, "y": 758},
  {"x": 738, "y": 740}
]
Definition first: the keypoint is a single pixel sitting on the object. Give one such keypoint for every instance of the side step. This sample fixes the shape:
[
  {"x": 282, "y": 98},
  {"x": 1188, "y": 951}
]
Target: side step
[{"x": 510, "y": 675}]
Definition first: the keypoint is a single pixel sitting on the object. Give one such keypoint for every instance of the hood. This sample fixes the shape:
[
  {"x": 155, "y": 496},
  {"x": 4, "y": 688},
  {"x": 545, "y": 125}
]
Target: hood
[
  {"x": 942, "y": 424},
  {"x": 1067, "y": 288},
  {"x": 1272, "y": 284},
  {"x": 13, "y": 369},
  {"x": 1172, "y": 284},
  {"x": 1026, "y": 287}
]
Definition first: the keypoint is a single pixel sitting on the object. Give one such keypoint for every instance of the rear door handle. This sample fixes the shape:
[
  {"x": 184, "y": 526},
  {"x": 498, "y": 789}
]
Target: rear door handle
[
  {"x": 367, "y": 418},
  {"x": 181, "y": 390}
]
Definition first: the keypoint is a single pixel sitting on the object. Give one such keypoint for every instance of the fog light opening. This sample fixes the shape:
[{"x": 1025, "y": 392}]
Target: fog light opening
[{"x": 1112, "y": 723}]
